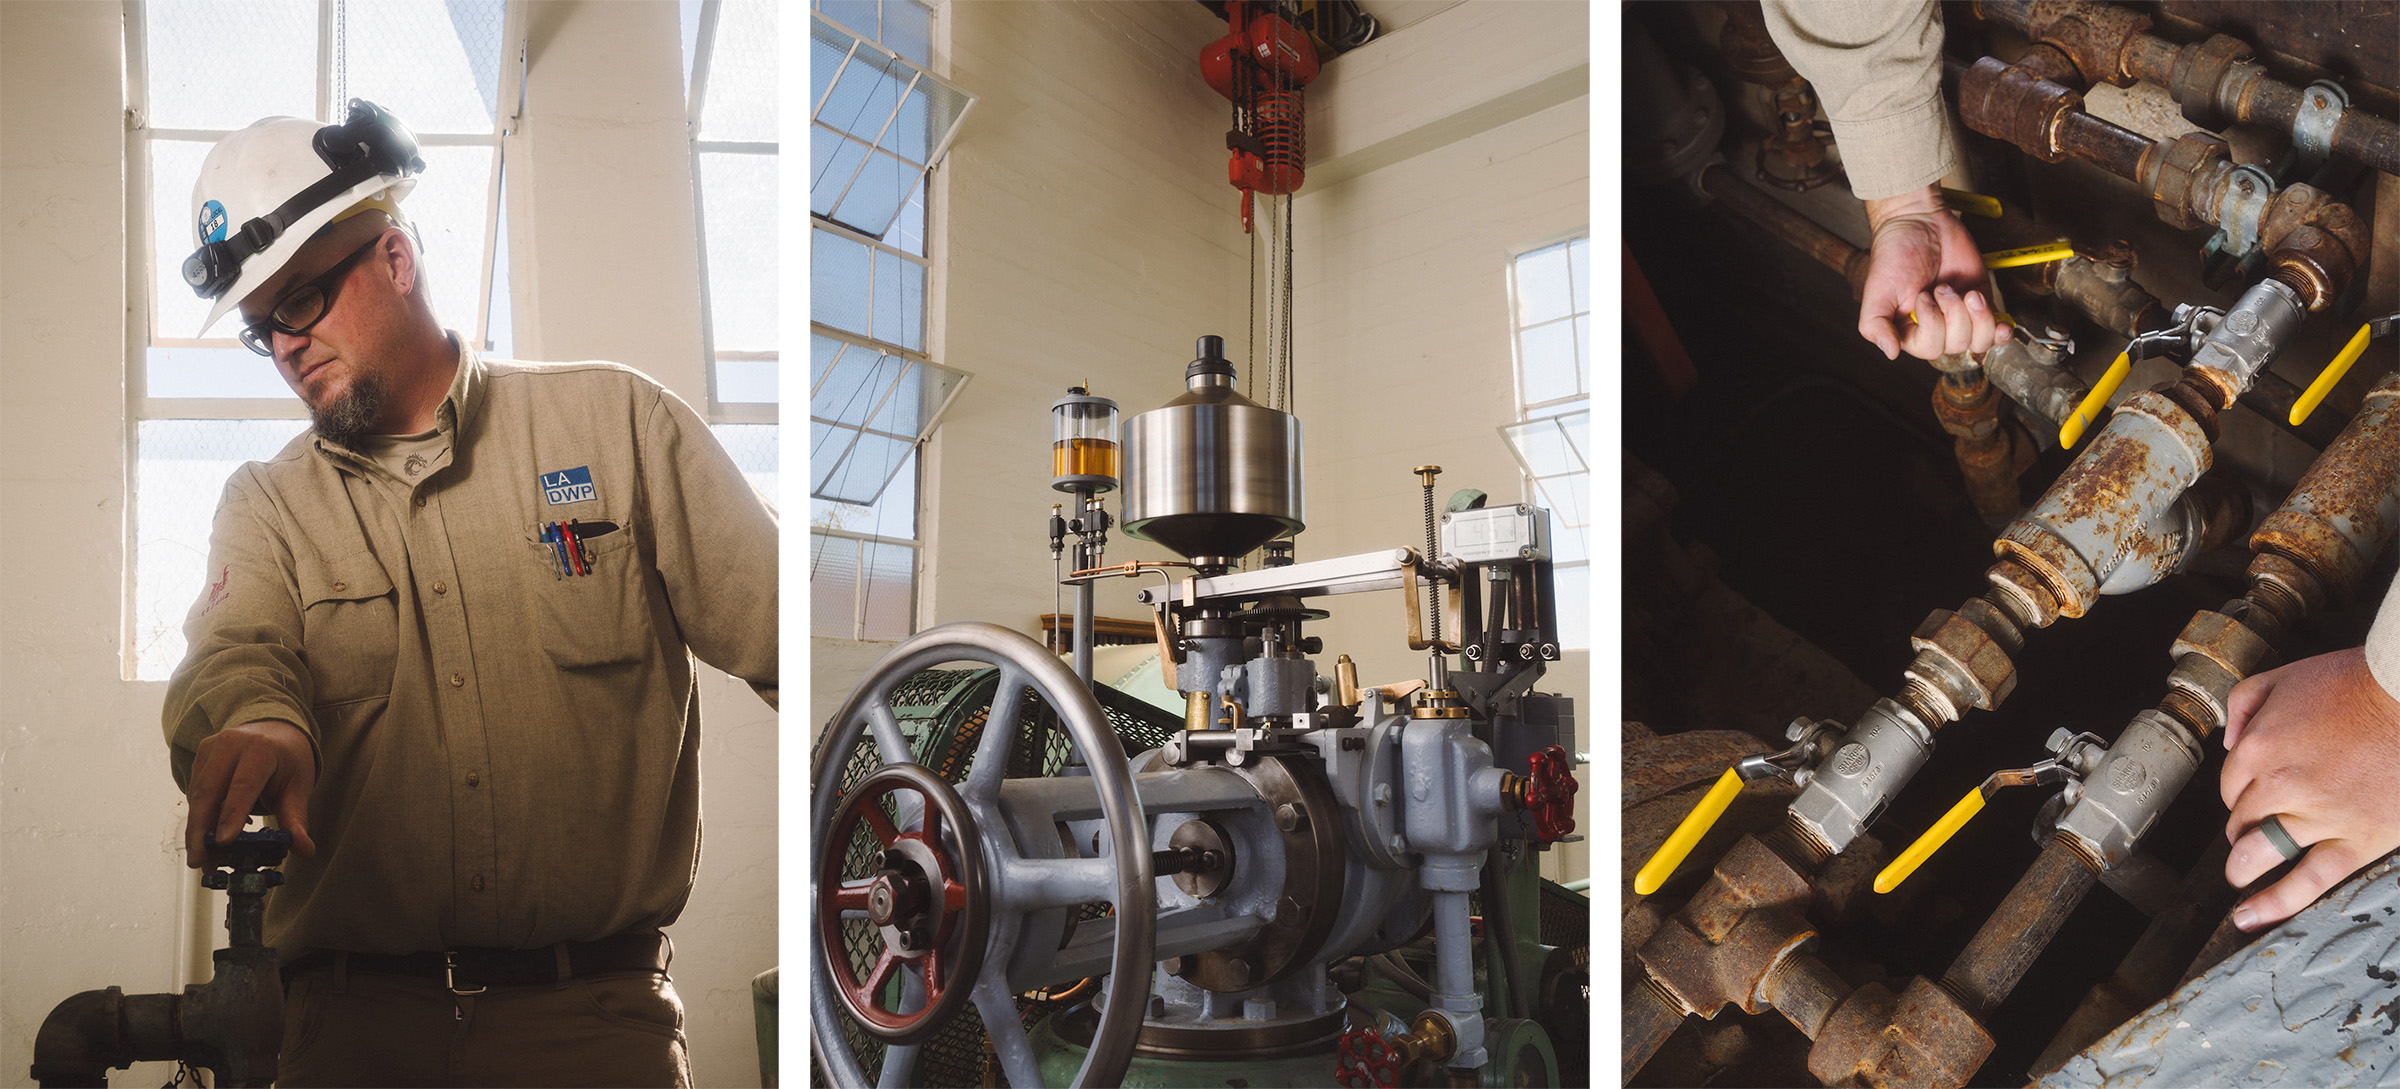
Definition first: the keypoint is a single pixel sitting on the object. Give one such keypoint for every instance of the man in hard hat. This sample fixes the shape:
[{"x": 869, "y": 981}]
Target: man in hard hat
[{"x": 446, "y": 642}]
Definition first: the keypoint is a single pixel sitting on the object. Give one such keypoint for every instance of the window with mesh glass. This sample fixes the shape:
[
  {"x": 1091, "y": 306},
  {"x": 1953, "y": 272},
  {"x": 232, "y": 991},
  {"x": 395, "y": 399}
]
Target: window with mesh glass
[
  {"x": 879, "y": 119},
  {"x": 731, "y": 72},
  {"x": 206, "y": 404},
  {"x": 1550, "y": 319}
]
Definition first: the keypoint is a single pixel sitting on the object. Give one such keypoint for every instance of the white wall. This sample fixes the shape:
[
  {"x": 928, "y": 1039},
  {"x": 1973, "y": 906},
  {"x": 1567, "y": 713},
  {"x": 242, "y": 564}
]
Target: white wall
[
  {"x": 1448, "y": 146},
  {"x": 90, "y": 823}
]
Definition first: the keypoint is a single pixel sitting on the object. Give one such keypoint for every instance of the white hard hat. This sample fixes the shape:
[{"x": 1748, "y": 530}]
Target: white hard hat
[{"x": 265, "y": 190}]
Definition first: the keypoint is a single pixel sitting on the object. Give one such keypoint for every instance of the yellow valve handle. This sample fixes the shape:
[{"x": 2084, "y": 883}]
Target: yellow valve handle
[
  {"x": 2030, "y": 255},
  {"x": 2072, "y": 431},
  {"x": 1931, "y": 841},
  {"x": 1974, "y": 204},
  {"x": 1687, "y": 835},
  {"x": 2334, "y": 371}
]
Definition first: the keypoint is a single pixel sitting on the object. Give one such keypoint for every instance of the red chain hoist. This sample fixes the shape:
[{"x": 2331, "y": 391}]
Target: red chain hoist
[{"x": 1261, "y": 64}]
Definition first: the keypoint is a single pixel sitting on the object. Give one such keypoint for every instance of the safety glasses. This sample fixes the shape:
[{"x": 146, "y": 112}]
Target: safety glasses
[{"x": 301, "y": 308}]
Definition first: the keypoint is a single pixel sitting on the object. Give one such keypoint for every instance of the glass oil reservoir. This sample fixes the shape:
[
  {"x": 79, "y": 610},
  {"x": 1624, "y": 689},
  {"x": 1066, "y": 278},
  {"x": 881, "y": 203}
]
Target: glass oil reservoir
[{"x": 1083, "y": 443}]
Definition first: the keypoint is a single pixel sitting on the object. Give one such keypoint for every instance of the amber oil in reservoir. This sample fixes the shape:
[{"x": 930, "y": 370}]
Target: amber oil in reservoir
[{"x": 1083, "y": 457}]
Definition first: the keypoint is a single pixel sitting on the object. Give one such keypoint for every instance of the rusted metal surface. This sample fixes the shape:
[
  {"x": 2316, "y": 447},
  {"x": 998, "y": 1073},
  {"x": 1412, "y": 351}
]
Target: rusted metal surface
[
  {"x": 2152, "y": 967},
  {"x": 2000, "y": 100},
  {"x": 2033, "y": 380},
  {"x": 2345, "y": 507},
  {"x": 2102, "y": 286},
  {"x": 1991, "y": 452},
  {"x": 1795, "y": 229},
  {"x": 1656, "y": 766},
  {"x": 2313, "y": 1002},
  {"x": 1805, "y": 991},
  {"x": 2356, "y": 39},
  {"x": 2015, "y": 934},
  {"x": 1925, "y": 1037},
  {"x": 2019, "y": 590},
  {"x": 2215, "y": 80},
  {"x": 1718, "y": 950},
  {"x": 1649, "y": 1017},
  {"x": 2080, "y": 530},
  {"x": 1971, "y": 666},
  {"x": 1664, "y": 777},
  {"x": 2118, "y": 150},
  {"x": 2177, "y": 170}
]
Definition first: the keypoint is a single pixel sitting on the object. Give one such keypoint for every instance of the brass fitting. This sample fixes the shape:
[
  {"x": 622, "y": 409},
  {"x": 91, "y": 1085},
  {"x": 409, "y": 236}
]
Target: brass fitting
[
  {"x": 1429, "y": 1039},
  {"x": 1438, "y": 703}
]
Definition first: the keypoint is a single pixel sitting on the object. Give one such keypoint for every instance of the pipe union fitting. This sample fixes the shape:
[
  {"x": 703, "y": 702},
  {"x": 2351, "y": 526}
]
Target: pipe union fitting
[
  {"x": 1962, "y": 660},
  {"x": 2188, "y": 159},
  {"x": 2001, "y": 100},
  {"x": 2144, "y": 770},
  {"x": 1849, "y": 787}
]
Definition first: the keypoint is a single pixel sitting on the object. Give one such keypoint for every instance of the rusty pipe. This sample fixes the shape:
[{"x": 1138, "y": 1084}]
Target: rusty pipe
[
  {"x": 1649, "y": 1018},
  {"x": 2344, "y": 509},
  {"x": 2149, "y": 970},
  {"x": 1992, "y": 451},
  {"x": 1796, "y": 230},
  {"x": 2216, "y": 81},
  {"x": 2015, "y": 935}
]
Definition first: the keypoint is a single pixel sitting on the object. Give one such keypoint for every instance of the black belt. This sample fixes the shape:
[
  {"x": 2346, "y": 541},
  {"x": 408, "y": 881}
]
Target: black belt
[{"x": 470, "y": 969}]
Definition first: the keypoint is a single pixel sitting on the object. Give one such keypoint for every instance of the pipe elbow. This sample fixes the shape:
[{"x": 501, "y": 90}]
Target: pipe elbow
[{"x": 80, "y": 1040}]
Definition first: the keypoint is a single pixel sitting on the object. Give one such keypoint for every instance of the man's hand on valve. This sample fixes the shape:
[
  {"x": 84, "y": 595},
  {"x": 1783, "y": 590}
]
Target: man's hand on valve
[
  {"x": 267, "y": 761},
  {"x": 1924, "y": 262},
  {"x": 2313, "y": 745}
]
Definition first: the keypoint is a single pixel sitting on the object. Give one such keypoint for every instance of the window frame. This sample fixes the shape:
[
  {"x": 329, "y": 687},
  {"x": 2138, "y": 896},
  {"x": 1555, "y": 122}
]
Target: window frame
[
  {"x": 1580, "y": 305},
  {"x": 695, "y": 100},
  {"x": 914, "y": 462}
]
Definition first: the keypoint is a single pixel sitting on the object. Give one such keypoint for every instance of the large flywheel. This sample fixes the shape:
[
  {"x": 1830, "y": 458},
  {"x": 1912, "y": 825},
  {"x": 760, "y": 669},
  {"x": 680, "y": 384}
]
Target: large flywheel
[{"x": 943, "y": 884}]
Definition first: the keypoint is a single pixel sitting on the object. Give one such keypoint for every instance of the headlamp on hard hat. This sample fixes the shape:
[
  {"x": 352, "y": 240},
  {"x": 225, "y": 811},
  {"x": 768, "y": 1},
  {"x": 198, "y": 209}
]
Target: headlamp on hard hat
[{"x": 370, "y": 143}]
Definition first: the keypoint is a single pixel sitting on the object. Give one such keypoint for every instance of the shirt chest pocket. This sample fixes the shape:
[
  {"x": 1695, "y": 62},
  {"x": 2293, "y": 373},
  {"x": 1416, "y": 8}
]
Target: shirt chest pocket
[
  {"x": 349, "y": 621},
  {"x": 590, "y": 604}
]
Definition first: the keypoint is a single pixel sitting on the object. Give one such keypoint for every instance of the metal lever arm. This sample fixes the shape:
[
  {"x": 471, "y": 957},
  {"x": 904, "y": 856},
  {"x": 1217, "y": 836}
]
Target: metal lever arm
[
  {"x": 2047, "y": 772},
  {"x": 1687, "y": 835}
]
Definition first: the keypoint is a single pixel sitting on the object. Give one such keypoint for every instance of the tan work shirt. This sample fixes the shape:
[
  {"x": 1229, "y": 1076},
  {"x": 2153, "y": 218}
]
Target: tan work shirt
[
  {"x": 1876, "y": 66},
  {"x": 508, "y": 754}
]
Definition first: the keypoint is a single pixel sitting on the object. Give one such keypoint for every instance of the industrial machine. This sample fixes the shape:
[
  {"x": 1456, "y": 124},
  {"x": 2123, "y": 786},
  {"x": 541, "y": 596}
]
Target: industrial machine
[
  {"x": 1852, "y": 926},
  {"x": 230, "y": 1026},
  {"x": 1304, "y": 880}
]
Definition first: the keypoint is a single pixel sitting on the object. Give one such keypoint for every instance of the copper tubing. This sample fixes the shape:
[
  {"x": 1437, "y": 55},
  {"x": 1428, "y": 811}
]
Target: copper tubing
[{"x": 1793, "y": 228}]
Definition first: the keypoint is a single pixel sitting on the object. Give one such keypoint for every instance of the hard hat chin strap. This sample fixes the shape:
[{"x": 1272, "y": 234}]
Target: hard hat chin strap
[{"x": 371, "y": 143}]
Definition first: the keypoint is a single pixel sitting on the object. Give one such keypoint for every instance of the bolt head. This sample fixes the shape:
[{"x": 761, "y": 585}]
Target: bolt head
[
  {"x": 1474, "y": 652},
  {"x": 1797, "y": 730},
  {"x": 1397, "y": 843},
  {"x": 1287, "y": 817},
  {"x": 2058, "y": 739}
]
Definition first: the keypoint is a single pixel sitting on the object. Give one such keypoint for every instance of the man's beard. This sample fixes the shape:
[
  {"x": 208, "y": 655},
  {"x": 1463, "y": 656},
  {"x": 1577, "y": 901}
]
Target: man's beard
[{"x": 350, "y": 414}]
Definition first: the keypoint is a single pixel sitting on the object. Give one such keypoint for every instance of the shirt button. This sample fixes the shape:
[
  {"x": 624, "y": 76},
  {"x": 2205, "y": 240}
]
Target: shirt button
[
  {"x": 457, "y": 681},
  {"x": 440, "y": 587},
  {"x": 477, "y": 884},
  {"x": 420, "y": 501},
  {"x": 474, "y": 779},
  {"x": 340, "y": 586}
]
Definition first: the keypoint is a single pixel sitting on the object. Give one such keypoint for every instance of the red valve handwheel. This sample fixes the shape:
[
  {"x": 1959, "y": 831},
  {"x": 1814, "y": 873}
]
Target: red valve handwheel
[
  {"x": 1364, "y": 1061},
  {"x": 926, "y": 902},
  {"x": 1550, "y": 794}
]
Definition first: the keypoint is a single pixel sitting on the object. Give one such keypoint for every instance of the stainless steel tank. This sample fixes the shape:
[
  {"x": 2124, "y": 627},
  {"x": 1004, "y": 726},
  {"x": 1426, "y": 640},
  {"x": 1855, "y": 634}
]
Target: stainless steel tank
[{"x": 1212, "y": 474}]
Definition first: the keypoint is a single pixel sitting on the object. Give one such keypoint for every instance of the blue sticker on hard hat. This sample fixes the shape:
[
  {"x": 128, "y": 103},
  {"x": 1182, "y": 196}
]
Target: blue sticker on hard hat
[
  {"x": 568, "y": 486},
  {"x": 212, "y": 223}
]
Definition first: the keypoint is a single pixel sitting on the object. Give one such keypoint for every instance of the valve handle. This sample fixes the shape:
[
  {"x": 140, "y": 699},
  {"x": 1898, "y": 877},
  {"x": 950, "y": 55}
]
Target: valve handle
[
  {"x": 1974, "y": 204},
  {"x": 2072, "y": 430},
  {"x": 1661, "y": 866},
  {"x": 1934, "y": 837},
  {"x": 2055, "y": 770},
  {"x": 2333, "y": 373},
  {"x": 1362, "y": 1060},
  {"x": 1550, "y": 788},
  {"x": 2029, "y": 255}
]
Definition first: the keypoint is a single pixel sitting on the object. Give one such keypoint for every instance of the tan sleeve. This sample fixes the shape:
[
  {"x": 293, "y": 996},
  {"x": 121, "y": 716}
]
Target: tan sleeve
[
  {"x": 1877, "y": 68},
  {"x": 716, "y": 541},
  {"x": 2383, "y": 642},
  {"x": 243, "y": 660}
]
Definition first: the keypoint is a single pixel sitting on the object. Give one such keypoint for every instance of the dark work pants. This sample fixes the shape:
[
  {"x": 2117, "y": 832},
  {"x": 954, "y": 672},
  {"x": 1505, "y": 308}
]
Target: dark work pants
[{"x": 344, "y": 1028}]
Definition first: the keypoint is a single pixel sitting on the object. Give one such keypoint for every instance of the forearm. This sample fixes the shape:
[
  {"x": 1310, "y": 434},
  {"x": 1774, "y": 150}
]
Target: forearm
[{"x": 1876, "y": 68}]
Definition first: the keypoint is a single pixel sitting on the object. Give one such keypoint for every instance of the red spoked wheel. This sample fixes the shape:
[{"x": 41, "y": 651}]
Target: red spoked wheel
[
  {"x": 1364, "y": 1061},
  {"x": 1550, "y": 793},
  {"x": 926, "y": 900}
]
